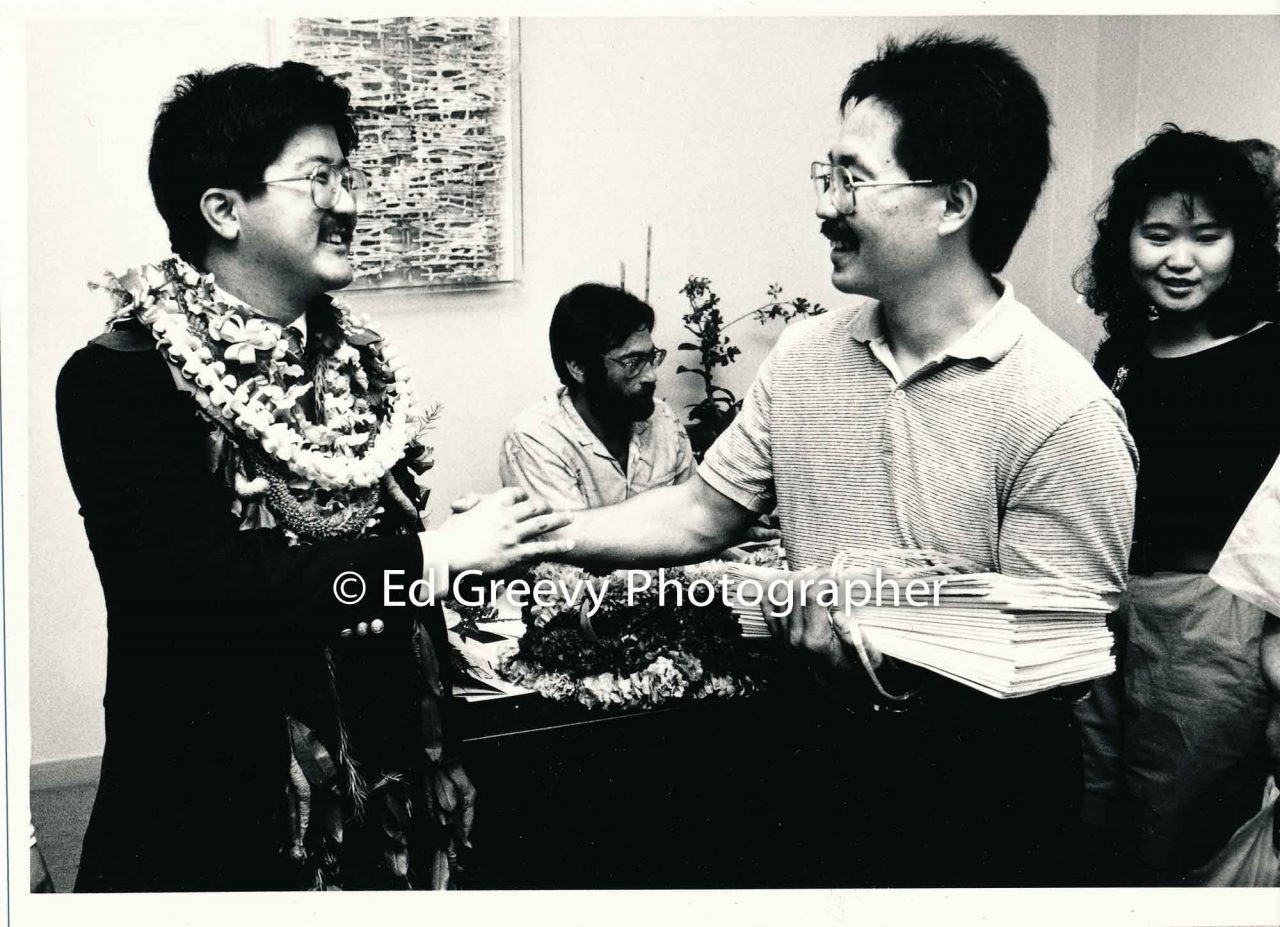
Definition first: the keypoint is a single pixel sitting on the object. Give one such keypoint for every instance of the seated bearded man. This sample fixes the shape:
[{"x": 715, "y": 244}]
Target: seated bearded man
[{"x": 601, "y": 437}]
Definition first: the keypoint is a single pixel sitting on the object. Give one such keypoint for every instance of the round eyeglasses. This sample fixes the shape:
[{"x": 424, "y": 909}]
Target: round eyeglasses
[
  {"x": 838, "y": 181},
  {"x": 326, "y": 182},
  {"x": 633, "y": 364}
]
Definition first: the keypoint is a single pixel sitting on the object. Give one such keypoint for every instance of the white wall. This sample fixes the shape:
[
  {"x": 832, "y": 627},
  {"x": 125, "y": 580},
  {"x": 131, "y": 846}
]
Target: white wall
[{"x": 703, "y": 129}]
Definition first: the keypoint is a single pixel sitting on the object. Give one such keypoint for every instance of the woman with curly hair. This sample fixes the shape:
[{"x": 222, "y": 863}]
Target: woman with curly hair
[{"x": 1184, "y": 273}]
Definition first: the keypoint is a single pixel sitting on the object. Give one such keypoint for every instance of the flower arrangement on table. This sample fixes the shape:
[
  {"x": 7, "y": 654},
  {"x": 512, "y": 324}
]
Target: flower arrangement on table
[{"x": 635, "y": 650}]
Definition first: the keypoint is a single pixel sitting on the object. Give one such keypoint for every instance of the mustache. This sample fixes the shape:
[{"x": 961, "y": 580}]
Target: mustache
[
  {"x": 344, "y": 224},
  {"x": 835, "y": 229}
]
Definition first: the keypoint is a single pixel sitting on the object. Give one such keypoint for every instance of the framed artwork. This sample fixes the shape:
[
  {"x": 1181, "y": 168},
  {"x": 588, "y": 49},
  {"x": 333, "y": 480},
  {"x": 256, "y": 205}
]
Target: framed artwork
[{"x": 436, "y": 102}]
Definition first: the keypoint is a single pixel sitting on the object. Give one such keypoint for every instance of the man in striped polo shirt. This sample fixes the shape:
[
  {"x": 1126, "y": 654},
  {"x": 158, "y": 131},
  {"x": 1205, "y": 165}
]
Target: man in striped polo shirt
[{"x": 940, "y": 415}]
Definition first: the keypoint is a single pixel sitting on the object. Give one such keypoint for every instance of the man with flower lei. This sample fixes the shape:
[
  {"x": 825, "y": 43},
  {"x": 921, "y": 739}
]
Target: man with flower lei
[{"x": 247, "y": 456}]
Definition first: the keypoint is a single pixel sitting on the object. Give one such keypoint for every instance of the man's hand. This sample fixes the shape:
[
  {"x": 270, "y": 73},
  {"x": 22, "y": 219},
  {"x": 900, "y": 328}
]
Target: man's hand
[
  {"x": 811, "y": 626},
  {"x": 758, "y": 533},
  {"x": 465, "y": 503},
  {"x": 804, "y": 627},
  {"x": 503, "y": 529},
  {"x": 843, "y": 617}
]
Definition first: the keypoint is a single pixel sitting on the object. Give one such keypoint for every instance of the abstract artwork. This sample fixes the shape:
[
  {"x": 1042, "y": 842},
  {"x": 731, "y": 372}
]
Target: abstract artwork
[{"x": 437, "y": 111}]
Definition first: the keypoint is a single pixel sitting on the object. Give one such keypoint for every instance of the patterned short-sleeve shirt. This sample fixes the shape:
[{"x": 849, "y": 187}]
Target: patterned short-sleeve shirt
[{"x": 550, "y": 451}]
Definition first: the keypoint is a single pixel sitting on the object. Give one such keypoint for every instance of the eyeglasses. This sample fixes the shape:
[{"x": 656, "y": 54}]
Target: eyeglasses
[
  {"x": 633, "y": 364},
  {"x": 836, "y": 180},
  {"x": 327, "y": 180}
]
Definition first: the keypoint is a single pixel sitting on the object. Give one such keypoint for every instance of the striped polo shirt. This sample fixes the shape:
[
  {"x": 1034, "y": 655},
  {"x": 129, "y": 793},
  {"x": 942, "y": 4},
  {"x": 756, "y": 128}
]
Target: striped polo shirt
[{"x": 1008, "y": 451}]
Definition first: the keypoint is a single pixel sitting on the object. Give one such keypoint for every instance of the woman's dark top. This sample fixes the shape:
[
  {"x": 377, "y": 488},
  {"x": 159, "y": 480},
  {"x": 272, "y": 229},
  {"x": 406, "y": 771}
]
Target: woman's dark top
[{"x": 1207, "y": 427}]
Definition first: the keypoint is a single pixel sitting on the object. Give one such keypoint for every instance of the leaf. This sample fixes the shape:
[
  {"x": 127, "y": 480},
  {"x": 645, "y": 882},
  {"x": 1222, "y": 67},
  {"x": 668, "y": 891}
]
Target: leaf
[
  {"x": 312, "y": 755},
  {"x": 432, "y": 727},
  {"x": 446, "y": 793},
  {"x": 425, "y": 651},
  {"x": 687, "y": 346},
  {"x": 397, "y": 860},
  {"x": 333, "y": 821},
  {"x": 395, "y": 817},
  {"x": 440, "y": 870},
  {"x": 467, "y": 795}
]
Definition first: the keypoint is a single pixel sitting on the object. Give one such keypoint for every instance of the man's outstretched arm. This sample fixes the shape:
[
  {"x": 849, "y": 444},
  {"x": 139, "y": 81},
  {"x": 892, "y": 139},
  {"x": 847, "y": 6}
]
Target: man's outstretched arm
[{"x": 674, "y": 524}]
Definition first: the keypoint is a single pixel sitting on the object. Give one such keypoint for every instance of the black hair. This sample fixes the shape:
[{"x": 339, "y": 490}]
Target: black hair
[
  {"x": 968, "y": 109},
  {"x": 1191, "y": 164},
  {"x": 1265, "y": 158},
  {"x": 1264, "y": 155},
  {"x": 591, "y": 320},
  {"x": 223, "y": 129}
]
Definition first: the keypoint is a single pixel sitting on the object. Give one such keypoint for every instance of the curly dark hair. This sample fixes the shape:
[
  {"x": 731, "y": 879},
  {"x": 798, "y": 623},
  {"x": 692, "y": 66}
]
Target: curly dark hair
[
  {"x": 1190, "y": 164},
  {"x": 223, "y": 129},
  {"x": 968, "y": 109},
  {"x": 590, "y": 320}
]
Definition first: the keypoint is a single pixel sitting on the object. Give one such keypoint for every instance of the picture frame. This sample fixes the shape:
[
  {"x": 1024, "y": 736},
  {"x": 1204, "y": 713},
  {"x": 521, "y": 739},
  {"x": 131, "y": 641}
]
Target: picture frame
[{"x": 437, "y": 107}]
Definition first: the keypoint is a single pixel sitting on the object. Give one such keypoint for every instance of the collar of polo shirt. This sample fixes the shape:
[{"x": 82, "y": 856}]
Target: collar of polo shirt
[{"x": 991, "y": 337}]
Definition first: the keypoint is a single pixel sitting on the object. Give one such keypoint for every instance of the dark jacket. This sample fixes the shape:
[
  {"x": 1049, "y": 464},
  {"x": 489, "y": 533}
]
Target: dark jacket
[{"x": 214, "y": 633}]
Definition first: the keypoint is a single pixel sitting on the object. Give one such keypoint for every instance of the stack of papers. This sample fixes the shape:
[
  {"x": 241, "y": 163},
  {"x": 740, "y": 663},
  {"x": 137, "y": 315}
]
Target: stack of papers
[{"x": 1002, "y": 635}]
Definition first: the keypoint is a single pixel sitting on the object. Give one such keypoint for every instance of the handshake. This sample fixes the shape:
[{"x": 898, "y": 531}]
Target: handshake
[{"x": 494, "y": 533}]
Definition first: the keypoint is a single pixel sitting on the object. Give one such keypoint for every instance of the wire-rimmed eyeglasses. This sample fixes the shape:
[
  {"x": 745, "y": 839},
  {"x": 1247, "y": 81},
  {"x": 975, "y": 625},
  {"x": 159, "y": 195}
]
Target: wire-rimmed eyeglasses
[
  {"x": 633, "y": 364},
  {"x": 327, "y": 180},
  {"x": 838, "y": 181}
]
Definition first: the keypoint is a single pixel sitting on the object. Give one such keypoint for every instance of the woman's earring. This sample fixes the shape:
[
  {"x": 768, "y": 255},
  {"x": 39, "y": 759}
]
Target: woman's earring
[{"x": 1153, "y": 312}]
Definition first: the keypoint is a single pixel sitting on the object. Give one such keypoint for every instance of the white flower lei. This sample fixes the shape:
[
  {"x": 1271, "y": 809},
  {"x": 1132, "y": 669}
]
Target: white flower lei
[{"x": 168, "y": 297}]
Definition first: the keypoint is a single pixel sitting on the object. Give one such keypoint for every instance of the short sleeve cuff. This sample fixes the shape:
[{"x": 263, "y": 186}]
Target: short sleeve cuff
[{"x": 758, "y": 502}]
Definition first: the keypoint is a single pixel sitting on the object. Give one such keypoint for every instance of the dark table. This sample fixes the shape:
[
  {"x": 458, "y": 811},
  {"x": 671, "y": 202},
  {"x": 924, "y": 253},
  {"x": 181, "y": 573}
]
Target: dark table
[
  {"x": 573, "y": 798},
  {"x": 748, "y": 792}
]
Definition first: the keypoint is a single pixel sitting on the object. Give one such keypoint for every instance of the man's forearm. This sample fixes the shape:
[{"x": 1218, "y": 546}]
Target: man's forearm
[{"x": 674, "y": 524}]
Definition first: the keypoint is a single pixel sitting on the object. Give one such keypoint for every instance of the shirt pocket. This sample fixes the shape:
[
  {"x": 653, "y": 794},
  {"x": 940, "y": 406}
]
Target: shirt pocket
[{"x": 662, "y": 477}]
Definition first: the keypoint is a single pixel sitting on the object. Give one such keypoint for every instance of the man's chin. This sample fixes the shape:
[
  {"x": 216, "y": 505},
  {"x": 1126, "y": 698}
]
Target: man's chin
[
  {"x": 843, "y": 279},
  {"x": 642, "y": 412},
  {"x": 338, "y": 279},
  {"x": 848, "y": 283}
]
